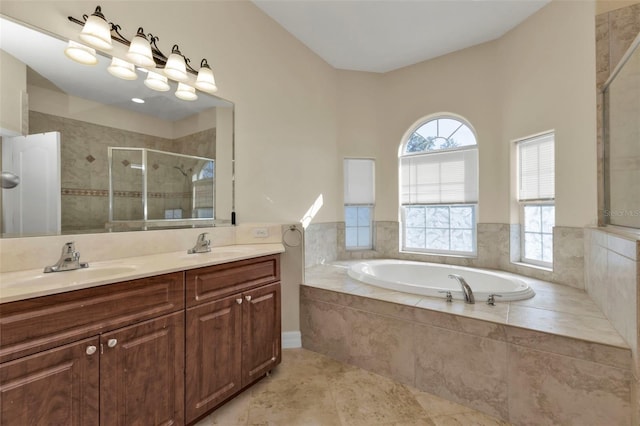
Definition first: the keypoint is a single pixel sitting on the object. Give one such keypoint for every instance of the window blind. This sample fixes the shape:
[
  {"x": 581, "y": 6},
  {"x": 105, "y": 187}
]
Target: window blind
[
  {"x": 359, "y": 181},
  {"x": 536, "y": 168},
  {"x": 440, "y": 177}
]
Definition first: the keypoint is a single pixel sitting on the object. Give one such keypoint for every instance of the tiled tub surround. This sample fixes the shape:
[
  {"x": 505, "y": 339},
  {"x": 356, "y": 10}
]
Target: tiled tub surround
[
  {"x": 498, "y": 248},
  {"x": 553, "y": 359}
]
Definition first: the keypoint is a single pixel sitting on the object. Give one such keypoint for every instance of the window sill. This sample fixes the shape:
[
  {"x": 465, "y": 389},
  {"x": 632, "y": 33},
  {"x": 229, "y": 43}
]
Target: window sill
[{"x": 532, "y": 266}]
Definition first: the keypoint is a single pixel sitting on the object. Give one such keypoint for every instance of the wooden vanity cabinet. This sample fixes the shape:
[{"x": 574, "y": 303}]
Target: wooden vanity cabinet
[
  {"x": 110, "y": 355},
  {"x": 233, "y": 330}
]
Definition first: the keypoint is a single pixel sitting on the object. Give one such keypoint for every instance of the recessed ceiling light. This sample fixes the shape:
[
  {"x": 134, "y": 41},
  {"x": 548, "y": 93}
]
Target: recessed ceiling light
[{"x": 137, "y": 100}]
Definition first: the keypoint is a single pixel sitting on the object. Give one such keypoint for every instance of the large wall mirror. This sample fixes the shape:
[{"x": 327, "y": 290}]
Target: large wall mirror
[{"x": 86, "y": 152}]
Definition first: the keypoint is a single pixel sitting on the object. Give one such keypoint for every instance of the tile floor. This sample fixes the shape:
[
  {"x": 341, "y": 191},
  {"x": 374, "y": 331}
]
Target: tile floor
[{"x": 313, "y": 390}]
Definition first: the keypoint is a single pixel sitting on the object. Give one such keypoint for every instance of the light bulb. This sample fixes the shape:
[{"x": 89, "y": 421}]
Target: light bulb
[
  {"x": 122, "y": 69},
  {"x": 175, "y": 67},
  {"x": 97, "y": 31},
  {"x": 156, "y": 81},
  {"x": 140, "y": 50},
  {"x": 80, "y": 53},
  {"x": 205, "y": 81},
  {"x": 186, "y": 92}
]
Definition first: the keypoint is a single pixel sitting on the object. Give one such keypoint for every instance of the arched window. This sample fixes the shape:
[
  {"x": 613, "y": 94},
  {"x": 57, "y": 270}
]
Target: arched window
[{"x": 439, "y": 187}]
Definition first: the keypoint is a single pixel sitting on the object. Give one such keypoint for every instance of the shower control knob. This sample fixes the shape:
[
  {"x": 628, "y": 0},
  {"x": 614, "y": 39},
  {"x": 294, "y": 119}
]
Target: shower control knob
[{"x": 91, "y": 350}]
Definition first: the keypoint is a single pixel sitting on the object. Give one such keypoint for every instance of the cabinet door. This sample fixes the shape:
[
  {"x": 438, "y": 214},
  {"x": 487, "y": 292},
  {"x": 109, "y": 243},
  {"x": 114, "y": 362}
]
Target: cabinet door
[
  {"x": 58, "y": 386},
  {"x": 260, "y": 331},
  {"x": 214, "y": 341},
  {"x": 142, "y": 373}
]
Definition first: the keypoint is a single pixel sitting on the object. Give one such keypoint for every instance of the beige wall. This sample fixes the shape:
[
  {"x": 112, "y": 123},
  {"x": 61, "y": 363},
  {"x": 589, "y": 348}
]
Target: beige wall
[
  {"x": 537, "y": 77},
  {"x": 548, "y": 73},
  {"x": 284, "y": 94},
  {"x": 296, "y": 117}
]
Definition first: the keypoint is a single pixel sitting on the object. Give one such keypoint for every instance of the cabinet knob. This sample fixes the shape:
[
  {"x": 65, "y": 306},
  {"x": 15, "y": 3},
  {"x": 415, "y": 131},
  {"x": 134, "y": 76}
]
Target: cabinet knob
[
  {"x": 112, "y": 343},
  {"x": 91, "y": 350},
  {"x": 248, "y": 298},
  {"x": 239, "y": 300}
]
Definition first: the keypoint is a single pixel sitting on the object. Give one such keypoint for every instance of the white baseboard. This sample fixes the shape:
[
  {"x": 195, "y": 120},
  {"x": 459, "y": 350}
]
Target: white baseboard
[{"x": 291, "y": 339}]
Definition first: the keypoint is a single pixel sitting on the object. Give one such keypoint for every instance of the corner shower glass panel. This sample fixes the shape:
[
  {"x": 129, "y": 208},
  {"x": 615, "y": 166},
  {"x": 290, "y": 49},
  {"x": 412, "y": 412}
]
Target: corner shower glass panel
[
  {"x": 151, "y": 188},
  {"x": 622, "y": 141}
]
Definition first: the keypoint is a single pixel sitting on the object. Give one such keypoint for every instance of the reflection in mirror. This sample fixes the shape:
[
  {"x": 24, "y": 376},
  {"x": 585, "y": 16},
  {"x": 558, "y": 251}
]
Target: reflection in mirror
[{"x": 63, "y": 118}]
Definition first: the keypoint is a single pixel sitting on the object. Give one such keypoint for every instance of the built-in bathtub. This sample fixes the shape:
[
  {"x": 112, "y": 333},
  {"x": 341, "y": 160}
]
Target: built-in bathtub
[
  {"x": 431, "y": 279},
  {"x": 550, "y": 359}
]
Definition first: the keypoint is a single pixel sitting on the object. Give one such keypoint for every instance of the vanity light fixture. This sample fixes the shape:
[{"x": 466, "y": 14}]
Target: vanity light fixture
[
  {"x": 122, "y": 69},
  {"x": 144, "y": 52},
  {"x": 80, "y": 53},
  {"x": 186, "y": 92},
  {"x": 156, "y": 82},
  {"x": 140, "y": 50},
  {"x": 96, "y": 31},
  {"x": 205, "y": 81}
]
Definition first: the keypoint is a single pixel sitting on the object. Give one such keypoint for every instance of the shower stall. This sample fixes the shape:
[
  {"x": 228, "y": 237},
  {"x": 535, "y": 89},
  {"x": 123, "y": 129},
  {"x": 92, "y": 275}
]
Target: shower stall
[
  {"x": 157, "y": 189},
  {"x": 622, "y": 141}
]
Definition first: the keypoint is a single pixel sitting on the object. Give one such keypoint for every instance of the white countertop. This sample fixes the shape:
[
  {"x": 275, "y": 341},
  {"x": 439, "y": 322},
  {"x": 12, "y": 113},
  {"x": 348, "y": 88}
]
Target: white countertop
[{"x": 32, "y": 283}]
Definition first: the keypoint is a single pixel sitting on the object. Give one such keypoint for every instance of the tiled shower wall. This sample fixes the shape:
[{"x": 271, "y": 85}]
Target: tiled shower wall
[
  {"x": 615, "y": 31},
  {"x": 497, "y": 243},
  {"x": 612, "y": 273},
  {"x": 85, "y": 174}
]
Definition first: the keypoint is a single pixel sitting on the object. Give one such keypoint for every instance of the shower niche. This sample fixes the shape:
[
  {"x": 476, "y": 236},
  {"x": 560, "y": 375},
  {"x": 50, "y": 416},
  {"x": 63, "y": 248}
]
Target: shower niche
[
  {"x": 622, "y": 141},
  {"x": 151, "y": 189}
]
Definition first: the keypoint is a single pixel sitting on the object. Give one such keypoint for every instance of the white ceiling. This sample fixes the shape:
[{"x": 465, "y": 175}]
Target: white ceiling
[{"x": 383, "y": 35}]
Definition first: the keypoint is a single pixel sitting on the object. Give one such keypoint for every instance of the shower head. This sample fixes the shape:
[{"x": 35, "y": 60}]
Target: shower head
[{"x": 181, "y": 170}]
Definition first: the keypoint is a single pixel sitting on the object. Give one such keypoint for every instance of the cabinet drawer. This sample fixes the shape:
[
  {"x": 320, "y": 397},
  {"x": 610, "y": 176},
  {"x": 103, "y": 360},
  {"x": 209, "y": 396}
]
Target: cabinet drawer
[
  {"x": 217, "y": 281},
  {"x": 33, "y": 325}
]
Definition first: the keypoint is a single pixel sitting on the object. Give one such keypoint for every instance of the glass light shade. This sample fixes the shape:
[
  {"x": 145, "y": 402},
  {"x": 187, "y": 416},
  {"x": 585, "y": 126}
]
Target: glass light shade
[
  {"x": 140, "y": 52},
  {"x": 122, "y": 69},
  {"x": 176, "y": 68},
  {"x": 80, "y": 53},
  {"x": 205, "y": 81},
  {"x": 157, "y": 82},
  {"x": 186, "y": 92},
  {"x": 97, "y": 32}
]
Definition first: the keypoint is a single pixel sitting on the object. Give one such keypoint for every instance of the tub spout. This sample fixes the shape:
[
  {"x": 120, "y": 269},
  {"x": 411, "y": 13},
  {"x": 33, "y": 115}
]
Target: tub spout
[{"x": 466, "y": 289}]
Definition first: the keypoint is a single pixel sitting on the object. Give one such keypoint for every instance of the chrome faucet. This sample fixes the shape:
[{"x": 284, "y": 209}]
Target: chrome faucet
[
  {"x": 69, "y": 260},
  {"x": 202, "y": 245},
  {"x": 468, "y": 293}
]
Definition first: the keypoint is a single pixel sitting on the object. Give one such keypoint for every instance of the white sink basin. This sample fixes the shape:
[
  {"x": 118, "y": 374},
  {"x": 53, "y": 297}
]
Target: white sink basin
[
  {"x": 218, "y": 252},
  {"x": 74, "y": 276}
]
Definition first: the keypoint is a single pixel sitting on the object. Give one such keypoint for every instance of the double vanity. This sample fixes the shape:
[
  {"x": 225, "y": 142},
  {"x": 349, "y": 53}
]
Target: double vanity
[{"x": 158, "y": 339}]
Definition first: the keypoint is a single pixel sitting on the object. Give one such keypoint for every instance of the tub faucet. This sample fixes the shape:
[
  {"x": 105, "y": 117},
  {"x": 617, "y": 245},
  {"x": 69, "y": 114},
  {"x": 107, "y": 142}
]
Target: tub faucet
[
  {"x": 69, "y": 260},
  {"x": 468, "y": 293},
  {"x": 202, "y": 245}
]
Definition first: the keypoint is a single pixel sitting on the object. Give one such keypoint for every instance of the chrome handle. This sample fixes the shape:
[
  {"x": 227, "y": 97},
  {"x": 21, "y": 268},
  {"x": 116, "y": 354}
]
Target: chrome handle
[
  {"x": 239, "y": 300},
  {"x": 91, "y": 350},
  {"x": 448, "y": 295},
  {"x": 112, "y": 343},
  {"x": 491, "y": 301},
  {"x": 248, "y": 298}
]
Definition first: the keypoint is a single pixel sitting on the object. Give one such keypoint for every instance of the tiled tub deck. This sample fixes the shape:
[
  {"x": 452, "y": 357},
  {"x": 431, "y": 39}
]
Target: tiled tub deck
[{"x": 553, "y": 359}]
